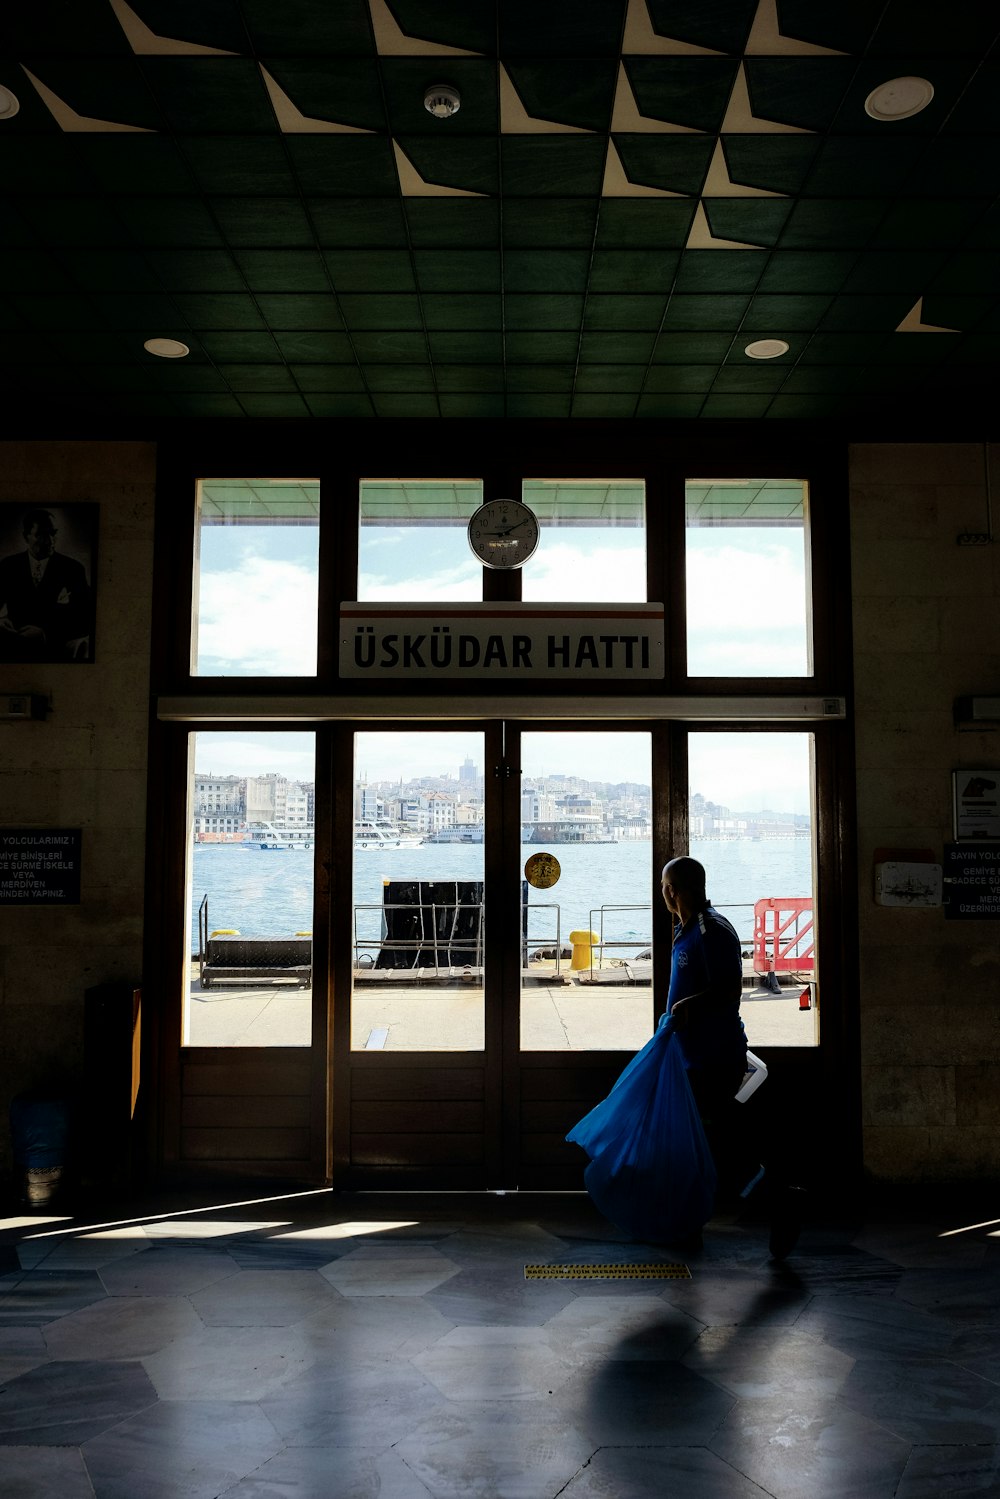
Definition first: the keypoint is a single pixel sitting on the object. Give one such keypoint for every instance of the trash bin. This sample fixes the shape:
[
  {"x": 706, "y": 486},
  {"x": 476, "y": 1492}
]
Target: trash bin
[{"x": 40, "y": 1130}]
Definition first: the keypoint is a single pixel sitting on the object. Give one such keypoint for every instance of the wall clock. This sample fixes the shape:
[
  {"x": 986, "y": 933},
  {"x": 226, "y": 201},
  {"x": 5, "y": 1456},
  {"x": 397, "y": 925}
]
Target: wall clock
[{"x": 503, "y": 533}]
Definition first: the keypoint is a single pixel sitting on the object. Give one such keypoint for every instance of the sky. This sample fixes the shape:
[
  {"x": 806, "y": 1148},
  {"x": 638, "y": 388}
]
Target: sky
[
  {"x": 746, "y": 616},
  {"x": 258, "y": 590}
]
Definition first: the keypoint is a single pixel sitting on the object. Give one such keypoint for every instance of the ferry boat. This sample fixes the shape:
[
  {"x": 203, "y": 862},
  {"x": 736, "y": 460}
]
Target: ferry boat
[
  {"x": 570, "y": 830},
  {"x": 368, "y": 835},
  {"x": 472, "y": 833},
  {"x": 285, "y": 840}
]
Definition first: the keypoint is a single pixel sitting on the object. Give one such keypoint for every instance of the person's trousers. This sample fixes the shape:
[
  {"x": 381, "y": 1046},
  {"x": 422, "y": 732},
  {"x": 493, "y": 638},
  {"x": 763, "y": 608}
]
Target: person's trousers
[{"x": 728, "y": 1126}]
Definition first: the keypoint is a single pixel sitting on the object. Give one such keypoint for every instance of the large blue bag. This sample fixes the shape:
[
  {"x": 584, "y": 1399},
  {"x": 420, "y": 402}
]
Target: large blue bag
[{"x": 651, "y": 1171}]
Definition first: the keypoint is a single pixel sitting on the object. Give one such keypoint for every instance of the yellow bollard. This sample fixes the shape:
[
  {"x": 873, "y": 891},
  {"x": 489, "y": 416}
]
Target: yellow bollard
[{"x": 583, "y": 945}]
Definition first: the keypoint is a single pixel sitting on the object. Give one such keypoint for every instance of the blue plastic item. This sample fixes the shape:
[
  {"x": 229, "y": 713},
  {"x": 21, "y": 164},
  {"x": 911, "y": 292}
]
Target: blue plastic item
[
  {"x": 651, "y": 1171},
  {"x": 40, "y": 1129}
]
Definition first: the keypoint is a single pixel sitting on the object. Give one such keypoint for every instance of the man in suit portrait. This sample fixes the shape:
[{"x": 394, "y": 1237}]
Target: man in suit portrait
[{"x": 45, "y": 598}]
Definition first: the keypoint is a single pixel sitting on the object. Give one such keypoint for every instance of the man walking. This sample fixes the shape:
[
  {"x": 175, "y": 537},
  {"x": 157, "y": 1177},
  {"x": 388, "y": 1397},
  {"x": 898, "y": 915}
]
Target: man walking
[{"x": 706, "y": 984}]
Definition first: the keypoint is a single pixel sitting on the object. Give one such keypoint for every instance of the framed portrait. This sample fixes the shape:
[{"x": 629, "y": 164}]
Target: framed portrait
[{"x": 48, "y": 561}]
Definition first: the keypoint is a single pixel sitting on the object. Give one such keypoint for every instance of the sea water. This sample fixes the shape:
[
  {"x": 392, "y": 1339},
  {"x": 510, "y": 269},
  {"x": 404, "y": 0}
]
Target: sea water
[{"x": 269, "y": 893}]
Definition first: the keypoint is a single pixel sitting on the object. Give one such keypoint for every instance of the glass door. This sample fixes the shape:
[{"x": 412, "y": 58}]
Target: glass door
[
  {"x": 587, "y": 866},
  {"x": 418, "y": 938},
  {"x": 247, "y": 967},
  {"x": 500, "y": 918},
  {"x": 753, "y": 826}
]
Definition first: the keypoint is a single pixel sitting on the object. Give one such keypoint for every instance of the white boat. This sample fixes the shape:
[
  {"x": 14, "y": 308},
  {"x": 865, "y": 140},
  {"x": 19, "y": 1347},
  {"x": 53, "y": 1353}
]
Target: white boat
[
  {"x": 473, "y": 833},
  {"x": 368, "y": 835},
  {"x": 288, "y": 840}
]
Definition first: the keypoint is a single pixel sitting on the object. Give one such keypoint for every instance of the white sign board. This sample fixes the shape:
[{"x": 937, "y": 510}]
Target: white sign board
[
  {"x": 899, "y": 884},
  {"x": 513, "y": 642},
  {"x": 977, "y": 803}
]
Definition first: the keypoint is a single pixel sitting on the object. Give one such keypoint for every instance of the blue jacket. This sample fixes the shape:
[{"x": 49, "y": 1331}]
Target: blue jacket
[{"x": 707, "y": 961}]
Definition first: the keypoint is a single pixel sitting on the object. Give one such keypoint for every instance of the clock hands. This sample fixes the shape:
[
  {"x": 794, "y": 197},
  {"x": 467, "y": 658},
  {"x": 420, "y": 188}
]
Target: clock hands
[{"x": 503, "y": 533}]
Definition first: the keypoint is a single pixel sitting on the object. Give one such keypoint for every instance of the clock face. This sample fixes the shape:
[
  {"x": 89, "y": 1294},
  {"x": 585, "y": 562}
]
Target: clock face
[{"x": 503, "y": 533}]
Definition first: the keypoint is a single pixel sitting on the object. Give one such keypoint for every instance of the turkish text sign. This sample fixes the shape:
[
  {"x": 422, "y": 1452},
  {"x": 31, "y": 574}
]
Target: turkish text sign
[
  {"x": 516, "y": 642},
  {"x": 40, "y": 866},
  {"x": 972, "y": 881}
]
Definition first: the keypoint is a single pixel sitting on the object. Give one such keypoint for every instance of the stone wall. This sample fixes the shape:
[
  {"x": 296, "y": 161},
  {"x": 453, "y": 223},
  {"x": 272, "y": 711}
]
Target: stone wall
[
  {"x": 83, "y": 767},
  {"x": 926, "y": 630}
]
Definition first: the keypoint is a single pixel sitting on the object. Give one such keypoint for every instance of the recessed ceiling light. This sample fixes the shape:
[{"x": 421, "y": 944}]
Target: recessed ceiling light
[
  {"x": 442, "y": 101},
  {"x": 899, "y": 98},
  {"x": 766, "y": 348},
  {"x": 8, "y": 104},
  {"x": 166, "y": 348}
]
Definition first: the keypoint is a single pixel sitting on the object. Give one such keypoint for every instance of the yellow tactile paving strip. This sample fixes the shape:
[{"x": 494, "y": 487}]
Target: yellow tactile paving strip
[{"x": 662, "y": 1271}]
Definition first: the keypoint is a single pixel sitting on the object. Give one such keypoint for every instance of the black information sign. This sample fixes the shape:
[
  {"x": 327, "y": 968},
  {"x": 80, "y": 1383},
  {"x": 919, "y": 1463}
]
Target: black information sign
[
  {"x": 972, "y": 881},
  {"x": 40, "y": 866}
]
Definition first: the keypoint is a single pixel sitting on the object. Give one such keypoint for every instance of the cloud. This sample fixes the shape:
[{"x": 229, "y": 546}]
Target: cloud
[
  {"x": 752, "y": 771},
  {"x": 257, "y": 618},
  {"x": 746, "y": 606},
  {"x": 462, "y": 583},
  {"x": 417, "y": 564},
  {"x": 591, "y": 569},
  {"x": 287, "y": 753},
  {"x": 387, "y": 757}
]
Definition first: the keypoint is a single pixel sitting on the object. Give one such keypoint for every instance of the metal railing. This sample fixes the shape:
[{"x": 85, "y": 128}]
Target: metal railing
[
  {"x": 783, "y": 937},
  {"x": 447, "y": 951},
  {"x": 603, "y": 945},
  {"x": 540, "y": 944},
  {"x": 469, "y": 949}
]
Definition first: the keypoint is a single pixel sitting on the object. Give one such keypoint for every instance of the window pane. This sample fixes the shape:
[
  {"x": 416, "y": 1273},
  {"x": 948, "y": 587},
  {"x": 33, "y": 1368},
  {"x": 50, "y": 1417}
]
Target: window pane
[
  {"x": 587, "y": 968},
  {"x": 747, "y": 588},
  {"x": 752, "y": 828},
  {"x": 593, "y": 541},
  {"x": 414, "y": 540},
  {"x": 255, "y": 578},
  {"x": 251, "y": 821},
  {"x": 418, "y": 937}
]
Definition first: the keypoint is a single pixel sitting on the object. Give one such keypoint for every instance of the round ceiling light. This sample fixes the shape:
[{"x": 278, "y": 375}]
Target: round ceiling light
[
  {"x": 166, "y": 348},
  {"x": 442, "y": 101},
  {"x": 8, "y": 104},
  {"x": 899, "y": 98},
  {"x": 766, "y": 348}
]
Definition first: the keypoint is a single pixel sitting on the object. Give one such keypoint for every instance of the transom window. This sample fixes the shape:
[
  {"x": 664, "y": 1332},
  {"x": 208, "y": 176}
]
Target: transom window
[{"x": 256, "y": 575}]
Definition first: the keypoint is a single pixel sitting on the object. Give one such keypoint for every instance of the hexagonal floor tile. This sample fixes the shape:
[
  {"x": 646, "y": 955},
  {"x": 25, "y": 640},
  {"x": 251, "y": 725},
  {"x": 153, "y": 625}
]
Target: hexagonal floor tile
[
  {"x": 63, "y": 1404},
  {"x": 197, "y": 1449},
  {"x": 121, "y": 1327},
  {"x": 378, "y": 1270},
  {"x": 262, "y": 1298},
  {"x": 755, "y": 1364},
  {"x": 482, "y": 1451},
  {"x": 494, "y": 1363},
  {"x": 229, "y": 1363}
]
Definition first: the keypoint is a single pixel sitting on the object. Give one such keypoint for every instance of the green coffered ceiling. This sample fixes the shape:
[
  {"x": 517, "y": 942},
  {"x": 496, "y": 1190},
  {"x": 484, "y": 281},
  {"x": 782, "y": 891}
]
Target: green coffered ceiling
[{"x": 632, "y": 192}]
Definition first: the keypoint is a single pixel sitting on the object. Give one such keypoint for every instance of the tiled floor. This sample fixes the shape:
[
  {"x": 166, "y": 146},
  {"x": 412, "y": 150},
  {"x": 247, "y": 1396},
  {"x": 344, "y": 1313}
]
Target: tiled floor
[{"x": 352, "y": 1347}]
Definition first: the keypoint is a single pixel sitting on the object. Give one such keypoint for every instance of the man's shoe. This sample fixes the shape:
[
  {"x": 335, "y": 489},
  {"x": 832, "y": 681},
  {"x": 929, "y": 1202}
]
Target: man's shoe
[{"x": 787, "y": 1212}]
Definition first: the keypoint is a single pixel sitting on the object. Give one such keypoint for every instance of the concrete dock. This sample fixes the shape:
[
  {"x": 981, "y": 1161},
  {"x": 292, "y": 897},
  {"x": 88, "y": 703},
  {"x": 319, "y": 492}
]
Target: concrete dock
[{"x": 397, "y": 1012}]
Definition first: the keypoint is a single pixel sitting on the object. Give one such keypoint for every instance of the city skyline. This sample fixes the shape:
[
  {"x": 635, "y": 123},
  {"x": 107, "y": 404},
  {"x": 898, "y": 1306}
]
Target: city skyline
[{"x": 601, "y": 791}]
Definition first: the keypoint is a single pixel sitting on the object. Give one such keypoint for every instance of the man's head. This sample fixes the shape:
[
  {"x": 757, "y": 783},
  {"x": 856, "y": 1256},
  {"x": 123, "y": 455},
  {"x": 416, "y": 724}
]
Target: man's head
[
  {"x": 683, "y": 886},
  {"x": 39, "y": 530}
]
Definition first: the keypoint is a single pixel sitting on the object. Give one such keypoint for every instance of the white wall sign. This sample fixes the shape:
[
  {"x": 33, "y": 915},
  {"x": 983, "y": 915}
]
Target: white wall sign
[
  {"x": 977, "y": 803},
  {"x": 515, "y": 642}
]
